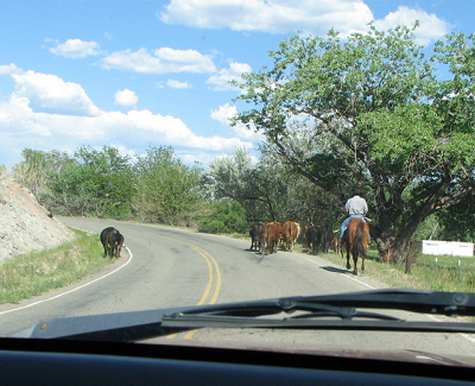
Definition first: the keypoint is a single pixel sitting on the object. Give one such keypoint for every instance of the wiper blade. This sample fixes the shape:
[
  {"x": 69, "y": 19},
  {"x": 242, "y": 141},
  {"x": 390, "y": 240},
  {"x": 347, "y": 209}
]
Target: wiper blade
[
  {"x": 426, "y": 302},
  {"x": 147, "y": 324},
  {"x": 192, "y": 322}
]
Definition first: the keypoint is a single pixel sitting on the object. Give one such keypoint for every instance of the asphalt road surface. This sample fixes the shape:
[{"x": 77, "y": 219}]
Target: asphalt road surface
[{"x": 172, "y": 267}]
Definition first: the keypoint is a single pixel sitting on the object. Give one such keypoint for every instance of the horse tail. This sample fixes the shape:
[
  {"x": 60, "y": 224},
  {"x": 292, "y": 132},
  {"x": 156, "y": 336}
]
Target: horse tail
[{"x": 361, "y": 240}]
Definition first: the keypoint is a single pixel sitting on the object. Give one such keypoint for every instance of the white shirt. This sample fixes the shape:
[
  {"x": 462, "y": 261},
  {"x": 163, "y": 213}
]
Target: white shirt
[{"x": 356, "y": 205}]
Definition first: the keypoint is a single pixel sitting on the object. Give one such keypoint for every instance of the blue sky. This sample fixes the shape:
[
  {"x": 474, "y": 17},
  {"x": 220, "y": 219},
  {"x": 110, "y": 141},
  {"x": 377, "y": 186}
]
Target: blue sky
[{"x": 134, "y": 74}]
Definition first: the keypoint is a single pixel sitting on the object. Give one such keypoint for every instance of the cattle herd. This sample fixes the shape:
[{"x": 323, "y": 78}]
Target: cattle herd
[
  {"x": 112, "y": 242},
  {"x": 268, "y": 237},
  {"x": 265, "y": 238}
]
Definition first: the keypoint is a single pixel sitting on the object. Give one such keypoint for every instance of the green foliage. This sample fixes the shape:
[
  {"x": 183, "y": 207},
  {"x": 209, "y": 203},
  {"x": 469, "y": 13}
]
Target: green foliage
[
  {"x": 368, "y": 112},
  {"x": 167, "y": 190},
  {"x": 429, "y": 229},
  {"x": 260, "y": 189},
  {"x": 269, "y": 190},
  {"x": 458, "y": 221},
  {"x": 225, "y": 216},
  {"x": 95, "y": 183},
  {"x": 36, "y": 167}
]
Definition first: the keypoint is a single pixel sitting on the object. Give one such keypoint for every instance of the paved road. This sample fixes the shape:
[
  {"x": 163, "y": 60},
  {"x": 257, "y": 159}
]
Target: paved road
[{"x": 173, "y": 267}]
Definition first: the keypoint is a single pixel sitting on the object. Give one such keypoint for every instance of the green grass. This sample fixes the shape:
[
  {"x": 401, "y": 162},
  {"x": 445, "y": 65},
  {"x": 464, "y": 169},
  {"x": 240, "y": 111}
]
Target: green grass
[
  {"x": 425, "y": 274},
  {"x": 24, "y": 276}
]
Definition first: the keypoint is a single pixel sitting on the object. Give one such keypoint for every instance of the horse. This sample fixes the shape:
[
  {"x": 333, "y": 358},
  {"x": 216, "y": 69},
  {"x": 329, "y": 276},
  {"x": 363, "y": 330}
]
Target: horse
[{"x": 356, "y": 240}]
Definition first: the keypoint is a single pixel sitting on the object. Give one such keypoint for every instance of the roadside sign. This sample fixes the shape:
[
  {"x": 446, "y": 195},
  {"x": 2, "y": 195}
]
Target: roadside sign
[{"x": 450, "y": 248}]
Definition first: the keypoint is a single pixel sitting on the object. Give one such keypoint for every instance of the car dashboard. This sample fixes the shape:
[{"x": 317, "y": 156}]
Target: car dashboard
[{"x": 60, "y": 362}]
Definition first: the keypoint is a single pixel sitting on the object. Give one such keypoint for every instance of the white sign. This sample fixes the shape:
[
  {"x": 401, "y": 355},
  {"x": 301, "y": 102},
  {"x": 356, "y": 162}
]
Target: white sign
[{"x": 451, "y": 248}]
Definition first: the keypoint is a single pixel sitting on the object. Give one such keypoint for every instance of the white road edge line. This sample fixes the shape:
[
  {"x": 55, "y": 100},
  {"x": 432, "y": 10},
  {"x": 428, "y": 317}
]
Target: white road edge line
[
  {"x": 131, "y": 256},
  {"x": 466, "y": 336}
]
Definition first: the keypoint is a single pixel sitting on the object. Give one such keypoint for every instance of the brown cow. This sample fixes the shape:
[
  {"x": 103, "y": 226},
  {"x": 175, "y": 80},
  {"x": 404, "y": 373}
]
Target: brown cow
[
  {"x": 291, "y": 232},
  {"x": 272, "y": 235}
]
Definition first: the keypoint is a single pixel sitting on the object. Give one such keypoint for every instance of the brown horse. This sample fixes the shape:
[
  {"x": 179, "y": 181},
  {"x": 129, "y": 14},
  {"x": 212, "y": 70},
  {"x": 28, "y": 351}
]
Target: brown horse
[{"x": 356, "y": 241}]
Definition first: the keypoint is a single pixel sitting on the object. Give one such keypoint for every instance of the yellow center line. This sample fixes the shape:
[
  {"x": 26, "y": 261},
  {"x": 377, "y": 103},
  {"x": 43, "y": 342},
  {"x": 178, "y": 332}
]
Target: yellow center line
[
  {"x": 217, "y": 289},
  {"x": 214, "y": 297},
  {"x": 206, "y": 296},
  {"x": 213, "y": 268}
]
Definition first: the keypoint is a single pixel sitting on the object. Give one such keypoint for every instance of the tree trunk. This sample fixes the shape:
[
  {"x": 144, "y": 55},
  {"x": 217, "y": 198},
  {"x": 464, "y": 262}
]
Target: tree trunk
[{"x": 394, "y": 247}]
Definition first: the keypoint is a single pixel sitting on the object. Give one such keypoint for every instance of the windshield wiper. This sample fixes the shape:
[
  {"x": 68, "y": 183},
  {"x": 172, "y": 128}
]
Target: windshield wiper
[{"x": 342, "y": 308}]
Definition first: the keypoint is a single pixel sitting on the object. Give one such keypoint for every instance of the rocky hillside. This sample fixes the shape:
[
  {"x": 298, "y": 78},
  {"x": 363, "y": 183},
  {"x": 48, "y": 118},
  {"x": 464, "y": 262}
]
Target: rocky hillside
[{"x": 24, "y": 224}]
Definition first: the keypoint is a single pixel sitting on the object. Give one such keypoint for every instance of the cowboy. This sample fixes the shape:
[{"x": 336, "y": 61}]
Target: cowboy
[{"x": 356, "y": 207}]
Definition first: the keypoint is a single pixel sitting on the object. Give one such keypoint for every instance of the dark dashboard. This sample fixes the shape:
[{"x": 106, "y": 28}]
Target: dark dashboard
[{"x": 60, "y": 362}]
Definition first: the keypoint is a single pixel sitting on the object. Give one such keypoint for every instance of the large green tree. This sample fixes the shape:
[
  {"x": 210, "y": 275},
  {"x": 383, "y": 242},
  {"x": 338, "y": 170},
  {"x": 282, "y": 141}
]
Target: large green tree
[
  {"x": 368, "y": 113},
  {"x": 167, "y": 190},
  {"x": 95, "y": 183}
]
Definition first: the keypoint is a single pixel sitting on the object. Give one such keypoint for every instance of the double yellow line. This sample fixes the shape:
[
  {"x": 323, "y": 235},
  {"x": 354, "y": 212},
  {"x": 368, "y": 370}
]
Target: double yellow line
[
  {"x": 209, "y": 295},
  {"x": 213, "y": 286}
]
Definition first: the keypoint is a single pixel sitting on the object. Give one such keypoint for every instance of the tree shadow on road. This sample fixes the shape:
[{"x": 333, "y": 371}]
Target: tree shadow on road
[{"x": 329, "y": 268}]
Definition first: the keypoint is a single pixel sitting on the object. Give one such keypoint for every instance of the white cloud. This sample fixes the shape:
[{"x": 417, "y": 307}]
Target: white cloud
[
  {"x": 50, "y": 93},
  {"x": 172, "y": 83},
  {"x": 269, "y": 16},
  {"x": 224, "y": 115},
  {"x": 221, "y": 80},
  {"x": 8, "y": 69},
  {"x": 430, "y": 27},
  {"x": 161, "y": 61},
  {"x": 22, "y": 124},
  {"x": 282, "y": 16},
  {"x": 76, "y": 48},
  {"x": 137, "y": 127},
  {"x": 126, "y": 97}
]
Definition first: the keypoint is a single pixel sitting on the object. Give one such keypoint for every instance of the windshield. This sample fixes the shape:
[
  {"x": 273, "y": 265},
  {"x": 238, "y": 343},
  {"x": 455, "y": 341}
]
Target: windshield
[{"x": 159, "y": 155}]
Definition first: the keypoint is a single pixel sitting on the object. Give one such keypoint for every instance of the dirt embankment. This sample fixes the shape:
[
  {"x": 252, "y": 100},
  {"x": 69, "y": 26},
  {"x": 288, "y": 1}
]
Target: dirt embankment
[{"x": 24, "y": 224}]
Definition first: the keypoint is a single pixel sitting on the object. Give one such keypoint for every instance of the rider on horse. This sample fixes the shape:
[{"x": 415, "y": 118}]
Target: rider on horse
[{"x": 356, "y": 207}]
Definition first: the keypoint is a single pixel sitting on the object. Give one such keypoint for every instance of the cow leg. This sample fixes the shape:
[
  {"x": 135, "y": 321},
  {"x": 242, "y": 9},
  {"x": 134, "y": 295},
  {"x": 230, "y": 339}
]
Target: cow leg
[{"x": 105, "y": 250}]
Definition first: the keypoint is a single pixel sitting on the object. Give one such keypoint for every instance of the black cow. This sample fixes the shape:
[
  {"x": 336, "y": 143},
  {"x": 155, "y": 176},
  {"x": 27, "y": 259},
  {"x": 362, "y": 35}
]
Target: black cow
[
  {"x": 312, "y": 239},
  {"x": 112, "y": 241},
  {"x": 256, "y": 232}
]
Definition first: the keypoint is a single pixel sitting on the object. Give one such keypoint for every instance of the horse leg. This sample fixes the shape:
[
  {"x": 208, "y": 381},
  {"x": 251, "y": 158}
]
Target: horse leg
[
  {"x": 348, "y": 266},
  {"x": 362, "y": 263},
  {"x": 355, "y": 267}
]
